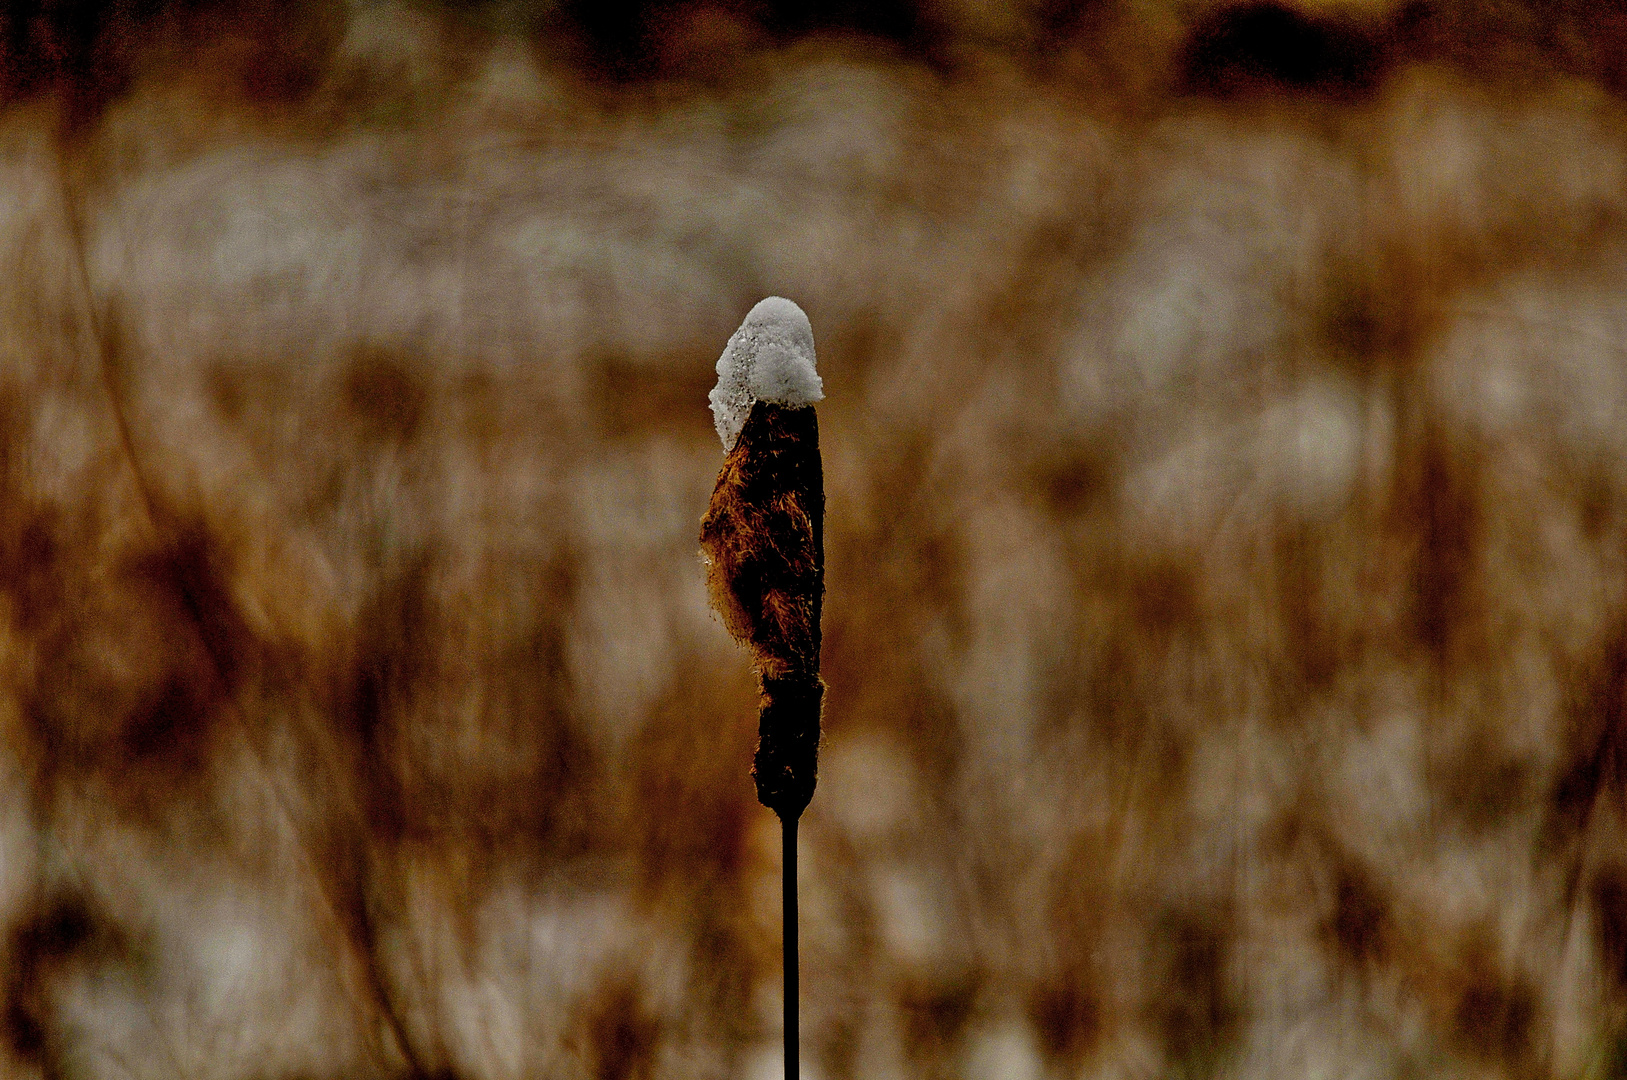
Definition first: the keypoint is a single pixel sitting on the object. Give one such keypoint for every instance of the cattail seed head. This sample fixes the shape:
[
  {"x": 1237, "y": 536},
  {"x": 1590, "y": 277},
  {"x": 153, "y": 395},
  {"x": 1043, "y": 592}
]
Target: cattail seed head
[{"x": 763, "y": 538}]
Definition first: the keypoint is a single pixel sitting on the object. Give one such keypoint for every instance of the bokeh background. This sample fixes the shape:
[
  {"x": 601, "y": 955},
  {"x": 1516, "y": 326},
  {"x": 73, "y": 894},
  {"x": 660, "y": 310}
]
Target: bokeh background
[{"x": 1226, "y": 451}]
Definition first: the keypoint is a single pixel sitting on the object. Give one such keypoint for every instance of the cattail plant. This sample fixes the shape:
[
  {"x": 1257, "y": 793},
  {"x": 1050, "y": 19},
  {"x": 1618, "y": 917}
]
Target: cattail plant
[{"x": 764, "y": 544}]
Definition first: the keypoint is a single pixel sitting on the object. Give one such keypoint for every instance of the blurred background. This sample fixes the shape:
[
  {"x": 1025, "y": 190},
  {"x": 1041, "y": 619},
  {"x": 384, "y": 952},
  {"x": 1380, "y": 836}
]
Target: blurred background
[{"x": 1226, "y": 453}]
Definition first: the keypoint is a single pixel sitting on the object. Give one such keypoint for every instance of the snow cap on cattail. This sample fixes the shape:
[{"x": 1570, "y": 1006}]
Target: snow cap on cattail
[
  {"x": 763, "y": 537},
  {"x": 770, "y": 358}
]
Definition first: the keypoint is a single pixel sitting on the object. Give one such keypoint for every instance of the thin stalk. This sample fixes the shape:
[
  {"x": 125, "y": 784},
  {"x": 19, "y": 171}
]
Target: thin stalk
[{"x": 788, "y": 885}]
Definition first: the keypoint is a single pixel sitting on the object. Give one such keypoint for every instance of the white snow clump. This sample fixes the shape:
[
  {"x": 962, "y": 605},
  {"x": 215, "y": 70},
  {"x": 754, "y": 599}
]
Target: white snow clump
[{"x": 770, "y": 358}]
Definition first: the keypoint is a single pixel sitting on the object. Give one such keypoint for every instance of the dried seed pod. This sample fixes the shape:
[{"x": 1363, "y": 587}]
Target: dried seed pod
[{"x": 763, "y": 538}]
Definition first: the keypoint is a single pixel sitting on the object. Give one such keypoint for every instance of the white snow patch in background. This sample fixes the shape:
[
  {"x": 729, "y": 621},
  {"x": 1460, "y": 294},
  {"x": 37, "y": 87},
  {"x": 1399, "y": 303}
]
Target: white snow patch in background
[
  {"x": 908, "y": 916},
  {"x": 1302, "y": 451},
  {"x": 770, "y": 358},
  {"x": 1003, "y": 1052},
  {"x": 872, "y": 788},
  {"x": 767, "y": 1062}
]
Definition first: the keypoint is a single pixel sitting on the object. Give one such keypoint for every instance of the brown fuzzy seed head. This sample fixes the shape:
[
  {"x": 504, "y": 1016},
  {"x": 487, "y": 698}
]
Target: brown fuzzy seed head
[
  {"x": 763, "y": 537},
  {"x": 786, "y": 766}
]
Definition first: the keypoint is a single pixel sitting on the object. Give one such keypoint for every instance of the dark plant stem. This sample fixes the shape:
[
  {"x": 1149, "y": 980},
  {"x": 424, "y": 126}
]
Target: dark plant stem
[{"x": 788, "y": 834}]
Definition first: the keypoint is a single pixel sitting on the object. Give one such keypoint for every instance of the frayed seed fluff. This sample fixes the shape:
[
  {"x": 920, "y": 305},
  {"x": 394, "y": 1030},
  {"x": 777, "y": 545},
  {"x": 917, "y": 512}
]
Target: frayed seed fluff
[{"x": 770, "y": 358}]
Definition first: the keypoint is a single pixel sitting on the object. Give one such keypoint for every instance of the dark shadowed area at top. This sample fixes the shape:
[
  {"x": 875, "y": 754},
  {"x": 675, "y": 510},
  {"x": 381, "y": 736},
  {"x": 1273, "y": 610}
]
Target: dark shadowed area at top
[{"x": 1225, "y": 453}]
